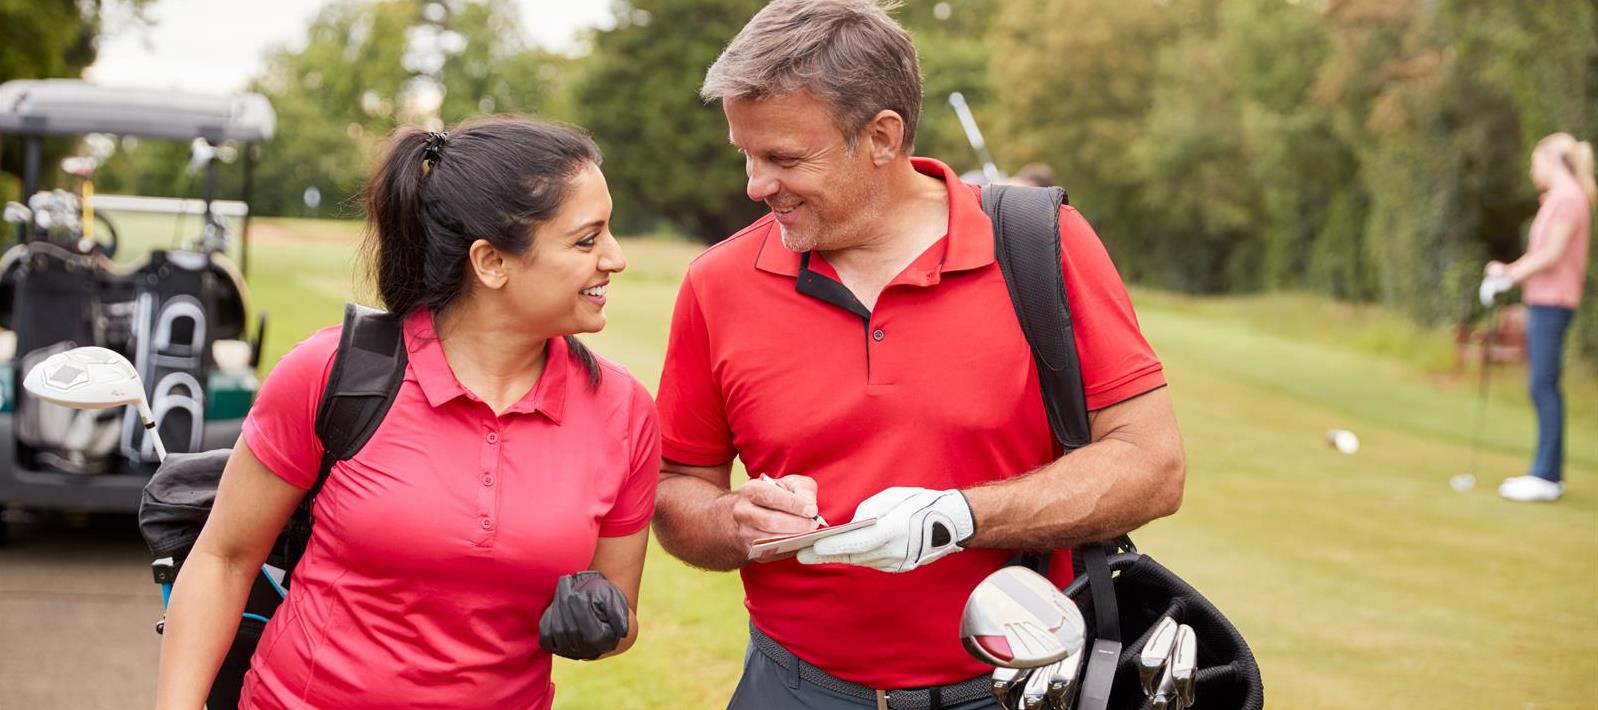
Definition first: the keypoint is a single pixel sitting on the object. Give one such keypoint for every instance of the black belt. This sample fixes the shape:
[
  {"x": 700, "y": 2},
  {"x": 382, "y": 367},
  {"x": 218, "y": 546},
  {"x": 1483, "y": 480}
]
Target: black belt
[{"x": 905, "y": 699}]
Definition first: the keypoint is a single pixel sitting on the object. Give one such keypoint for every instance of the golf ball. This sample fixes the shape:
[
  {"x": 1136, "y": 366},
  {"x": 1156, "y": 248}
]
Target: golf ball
[
  {"x": 1462, "y": 482},
  {"x": 1343, "y": 440}
]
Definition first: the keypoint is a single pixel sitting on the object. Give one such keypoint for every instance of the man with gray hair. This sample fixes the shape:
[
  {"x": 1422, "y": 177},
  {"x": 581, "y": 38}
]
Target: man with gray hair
[{"x": 856, "y": 349}]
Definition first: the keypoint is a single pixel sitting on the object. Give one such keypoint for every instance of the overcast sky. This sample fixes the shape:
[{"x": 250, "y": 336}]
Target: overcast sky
[{"x": 216, "y": 45}]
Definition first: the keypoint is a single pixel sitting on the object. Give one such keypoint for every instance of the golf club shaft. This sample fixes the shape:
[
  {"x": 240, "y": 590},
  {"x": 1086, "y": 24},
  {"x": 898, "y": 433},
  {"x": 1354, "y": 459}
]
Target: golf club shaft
[
  {"x": 148, "y": 420},
  {"x": 1481, "y": 387},
  {"x": 974, "y": 135}
]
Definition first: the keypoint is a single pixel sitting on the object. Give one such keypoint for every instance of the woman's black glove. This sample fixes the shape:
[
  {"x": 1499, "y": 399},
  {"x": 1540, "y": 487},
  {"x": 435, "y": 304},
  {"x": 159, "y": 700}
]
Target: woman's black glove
[{"x": 587, "y": 618}]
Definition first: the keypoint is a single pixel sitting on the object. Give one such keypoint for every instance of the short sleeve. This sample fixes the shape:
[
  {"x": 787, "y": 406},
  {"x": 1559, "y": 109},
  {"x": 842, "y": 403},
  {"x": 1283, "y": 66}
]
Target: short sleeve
[
  {"x": 635, "y": 504},
  {"x": 693, "y": 417},
  {"x": 1117, "y": 362},
  {"x": 281, "y": 426},
  {"x": 1568, "y": 206}
]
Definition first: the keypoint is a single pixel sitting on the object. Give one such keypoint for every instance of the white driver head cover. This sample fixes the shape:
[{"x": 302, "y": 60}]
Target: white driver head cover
[
  {"x": 1017, "y": 619},
  {"x": 86, "y": 378}
]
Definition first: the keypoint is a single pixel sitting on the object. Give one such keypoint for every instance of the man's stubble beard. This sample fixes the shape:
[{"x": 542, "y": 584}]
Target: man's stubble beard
[{"x": 861, "y": 209}]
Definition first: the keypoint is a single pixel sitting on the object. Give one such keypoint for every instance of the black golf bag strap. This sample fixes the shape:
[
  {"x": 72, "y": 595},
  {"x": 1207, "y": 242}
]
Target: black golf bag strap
[
  {"x": 366, "y": 375},
  {"x": 1026, "y": 243}
]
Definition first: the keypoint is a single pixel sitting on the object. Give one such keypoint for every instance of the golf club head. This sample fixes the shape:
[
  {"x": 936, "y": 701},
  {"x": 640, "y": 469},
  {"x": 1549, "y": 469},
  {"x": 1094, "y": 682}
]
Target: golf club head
[
  {"x": 1017, "y": 619},
  {"x": 1062, "y": 685},
  {"x": 1007, "y": 684},
  {"x": 86, "y": 378},
  {"x": 1184, "y": 663},
  {"x": 1151, "y": 661},
  {"x": 92, "y": 377},
  {"x": 1035, "y": 695}
]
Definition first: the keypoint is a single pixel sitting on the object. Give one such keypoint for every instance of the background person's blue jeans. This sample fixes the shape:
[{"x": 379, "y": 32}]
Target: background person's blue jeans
[{"x": 1545, "y": 344}]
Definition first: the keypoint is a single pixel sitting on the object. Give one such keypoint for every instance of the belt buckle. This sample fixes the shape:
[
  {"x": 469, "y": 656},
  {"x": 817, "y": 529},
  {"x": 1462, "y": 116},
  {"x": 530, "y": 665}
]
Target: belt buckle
[{"x": 882, "y": 700}]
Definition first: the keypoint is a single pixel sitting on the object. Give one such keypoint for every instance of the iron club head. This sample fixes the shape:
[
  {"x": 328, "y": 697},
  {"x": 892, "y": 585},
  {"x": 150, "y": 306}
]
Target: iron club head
[
  {"x": 1015, "y": 618},
  {"x": 1152, "y": 659},
  {"x": 1184, "y": 663},
  {"x": 1062, "y": 685},
  {"x": 92, "y": 377}
]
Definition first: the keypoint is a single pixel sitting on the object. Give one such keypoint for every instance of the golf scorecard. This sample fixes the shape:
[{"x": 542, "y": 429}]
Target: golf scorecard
[{"x": 768, "y": 548}]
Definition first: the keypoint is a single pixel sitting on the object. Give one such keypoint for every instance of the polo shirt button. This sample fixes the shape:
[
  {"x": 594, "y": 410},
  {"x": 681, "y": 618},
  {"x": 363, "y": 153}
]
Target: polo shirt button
[
  {"x": 878, "y": 335},
  {"x": 487, "y": 523},
  {"x": 493, "y": 438},
  {"x": 488, "y": 479}
]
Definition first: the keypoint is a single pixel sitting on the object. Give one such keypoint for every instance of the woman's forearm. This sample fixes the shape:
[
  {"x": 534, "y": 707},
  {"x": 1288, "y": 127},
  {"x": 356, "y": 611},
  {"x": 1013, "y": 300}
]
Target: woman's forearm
[{"x": 202, "y": 619}]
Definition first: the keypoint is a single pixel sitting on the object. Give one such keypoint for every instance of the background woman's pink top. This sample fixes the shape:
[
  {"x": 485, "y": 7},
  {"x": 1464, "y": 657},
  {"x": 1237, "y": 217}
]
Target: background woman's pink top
[
  {"x": 436, "y": 549},
  {"x": 1560, "y": 284}
]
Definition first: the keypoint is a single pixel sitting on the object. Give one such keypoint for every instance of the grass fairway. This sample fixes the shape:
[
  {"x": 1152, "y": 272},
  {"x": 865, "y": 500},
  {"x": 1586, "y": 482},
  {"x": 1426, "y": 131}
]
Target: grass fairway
[{"x": 1361, "y": 581}]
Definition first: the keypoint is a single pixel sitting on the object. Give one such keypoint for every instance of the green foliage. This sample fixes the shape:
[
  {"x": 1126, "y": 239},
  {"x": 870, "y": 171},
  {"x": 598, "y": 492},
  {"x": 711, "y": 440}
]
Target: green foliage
[
  {"x": 666, "y": 151},
  {"x": 1368, "y": 149},
  {"x": 42, "y": 39}
]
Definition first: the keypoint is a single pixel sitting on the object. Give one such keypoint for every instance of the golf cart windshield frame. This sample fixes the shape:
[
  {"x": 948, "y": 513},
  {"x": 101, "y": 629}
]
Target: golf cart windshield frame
[{"x": 34, "y": 109}]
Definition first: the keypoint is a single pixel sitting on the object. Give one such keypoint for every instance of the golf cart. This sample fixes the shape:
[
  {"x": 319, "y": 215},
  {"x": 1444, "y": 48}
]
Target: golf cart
[{"x": 180, "y": 315}]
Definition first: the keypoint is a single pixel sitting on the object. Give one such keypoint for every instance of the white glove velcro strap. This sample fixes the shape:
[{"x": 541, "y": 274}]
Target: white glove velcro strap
[{"x": 914, "y": 526}]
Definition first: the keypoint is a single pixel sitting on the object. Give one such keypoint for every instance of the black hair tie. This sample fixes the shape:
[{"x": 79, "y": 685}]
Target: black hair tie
[{"x": 433, "y": 150}]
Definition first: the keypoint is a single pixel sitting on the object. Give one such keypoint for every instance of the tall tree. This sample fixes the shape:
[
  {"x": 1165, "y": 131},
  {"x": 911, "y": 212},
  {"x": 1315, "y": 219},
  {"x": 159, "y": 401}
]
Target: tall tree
[{"x": 666, "y": 151}]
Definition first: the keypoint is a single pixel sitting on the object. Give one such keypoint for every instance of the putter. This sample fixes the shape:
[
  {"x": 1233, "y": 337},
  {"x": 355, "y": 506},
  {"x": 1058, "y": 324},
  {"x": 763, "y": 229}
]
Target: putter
[
  {"x": 1062, "y": 685},
  {"x": 93, "y": 378},
  {"x": 1017, "y": 619},
  {"x": 1184, "y": 664},
  {"x": 1151, "y": 661}
]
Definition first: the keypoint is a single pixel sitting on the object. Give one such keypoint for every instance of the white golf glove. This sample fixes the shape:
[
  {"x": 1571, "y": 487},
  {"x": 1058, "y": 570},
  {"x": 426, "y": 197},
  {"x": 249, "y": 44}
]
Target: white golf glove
[
  {"x": 1492, "y": 285},
  {"x": 914, "y": 526}
]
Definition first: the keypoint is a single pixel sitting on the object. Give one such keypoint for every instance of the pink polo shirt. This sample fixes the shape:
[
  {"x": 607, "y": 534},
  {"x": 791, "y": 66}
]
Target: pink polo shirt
[
  {"x": 437, "y": 548},
  {"x": 1561, "y": 283}
]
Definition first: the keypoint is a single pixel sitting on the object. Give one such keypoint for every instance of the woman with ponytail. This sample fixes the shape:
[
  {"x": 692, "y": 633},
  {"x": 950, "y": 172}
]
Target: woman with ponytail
[
  {"x": 500, "y": 513},
  {"x": 1551, "y": 274}
]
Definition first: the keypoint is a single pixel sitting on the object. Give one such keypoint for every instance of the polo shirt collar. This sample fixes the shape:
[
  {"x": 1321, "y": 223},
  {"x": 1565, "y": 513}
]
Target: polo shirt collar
[
  {"x": 439, "y": 384},
  {"x": 967, "y": 245}
]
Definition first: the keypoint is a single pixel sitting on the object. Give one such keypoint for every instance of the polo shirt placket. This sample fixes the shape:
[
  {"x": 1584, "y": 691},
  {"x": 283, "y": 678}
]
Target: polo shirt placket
[{"x": 488, "y": 495}]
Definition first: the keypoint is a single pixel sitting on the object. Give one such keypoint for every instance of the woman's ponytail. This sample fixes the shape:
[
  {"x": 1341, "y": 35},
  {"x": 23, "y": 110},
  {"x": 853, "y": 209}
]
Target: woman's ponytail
[
  {"x": 1579, "y": 159},
  {"x": 397, "y": 234}
]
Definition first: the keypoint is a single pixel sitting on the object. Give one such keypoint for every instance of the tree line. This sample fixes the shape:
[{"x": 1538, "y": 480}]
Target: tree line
[{"x": 1371, "y": 150}]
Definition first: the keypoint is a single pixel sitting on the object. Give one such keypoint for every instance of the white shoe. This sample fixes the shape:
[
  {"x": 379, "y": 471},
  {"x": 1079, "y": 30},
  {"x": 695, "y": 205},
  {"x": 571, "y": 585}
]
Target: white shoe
[{"x": 1527, "y": 489}]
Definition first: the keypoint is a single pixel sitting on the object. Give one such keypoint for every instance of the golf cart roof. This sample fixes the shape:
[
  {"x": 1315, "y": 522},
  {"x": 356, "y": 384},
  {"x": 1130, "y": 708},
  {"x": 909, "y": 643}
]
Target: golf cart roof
[{"x": 74, "y": 107}]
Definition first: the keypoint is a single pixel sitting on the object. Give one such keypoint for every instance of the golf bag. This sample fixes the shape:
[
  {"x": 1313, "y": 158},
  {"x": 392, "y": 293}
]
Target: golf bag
[
  {"x": 1122, "y": 592},
  {"x": 365, "y": 378}
]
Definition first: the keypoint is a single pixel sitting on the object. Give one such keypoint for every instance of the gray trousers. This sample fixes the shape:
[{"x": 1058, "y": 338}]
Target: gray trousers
[{"x": 766, "y": 685}]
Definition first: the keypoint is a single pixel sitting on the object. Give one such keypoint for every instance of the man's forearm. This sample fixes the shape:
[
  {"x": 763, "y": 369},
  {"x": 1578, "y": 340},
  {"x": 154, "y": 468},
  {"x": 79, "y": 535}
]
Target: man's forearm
[
  {"x": 1102, "y": 490},
  {"x": 693, "y": 520}
]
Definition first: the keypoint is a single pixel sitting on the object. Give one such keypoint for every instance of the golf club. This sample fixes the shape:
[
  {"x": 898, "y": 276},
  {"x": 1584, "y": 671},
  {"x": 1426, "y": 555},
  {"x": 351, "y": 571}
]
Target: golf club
[
  {"x": 1062, "y": 684},
  {"x": 1017, "y": 619},
  {"x": 1007, "y": 684},
  {"x": 1035, "y": 695},
  {"x": 93, "y": 378},
  {"x": 1184, "y": 664},
  {"x": 1481, "y": 388},
  {"x": 974, "y": 135},
  {"x": 1151, "y": 661}
]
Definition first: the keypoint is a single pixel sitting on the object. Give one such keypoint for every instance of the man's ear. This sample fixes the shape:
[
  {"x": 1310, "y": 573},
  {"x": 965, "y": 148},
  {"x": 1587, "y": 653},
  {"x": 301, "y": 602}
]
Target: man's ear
[
  {"x": 884, "y": 137},
  {"x": 488, "y": 264}
]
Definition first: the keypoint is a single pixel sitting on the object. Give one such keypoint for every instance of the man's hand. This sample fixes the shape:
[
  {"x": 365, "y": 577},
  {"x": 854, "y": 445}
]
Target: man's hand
[
  {"x": 914, "y": 526},
  {"x": 586, "y": 619},
  {"x": 767, "y": 507}
]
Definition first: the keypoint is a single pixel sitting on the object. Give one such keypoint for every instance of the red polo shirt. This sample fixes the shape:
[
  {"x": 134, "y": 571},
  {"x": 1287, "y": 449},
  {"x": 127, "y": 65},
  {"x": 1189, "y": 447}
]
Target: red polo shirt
[
  {"x": 437, "y": 547},
  {"x": 773, "y": 361}
]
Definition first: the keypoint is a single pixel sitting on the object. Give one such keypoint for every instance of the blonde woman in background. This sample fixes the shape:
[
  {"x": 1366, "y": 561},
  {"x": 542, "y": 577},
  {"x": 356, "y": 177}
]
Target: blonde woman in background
[{"x": 1551, "y": 273}]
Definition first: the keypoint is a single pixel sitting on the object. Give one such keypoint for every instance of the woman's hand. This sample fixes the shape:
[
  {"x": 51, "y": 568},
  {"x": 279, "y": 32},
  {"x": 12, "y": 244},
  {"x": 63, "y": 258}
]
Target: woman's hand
[{"x": 587, "y": 618}]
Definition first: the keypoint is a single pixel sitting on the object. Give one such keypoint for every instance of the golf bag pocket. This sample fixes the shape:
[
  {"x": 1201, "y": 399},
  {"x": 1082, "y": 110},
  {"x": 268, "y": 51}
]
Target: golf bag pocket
[{"x": 1228, "y": 677}]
